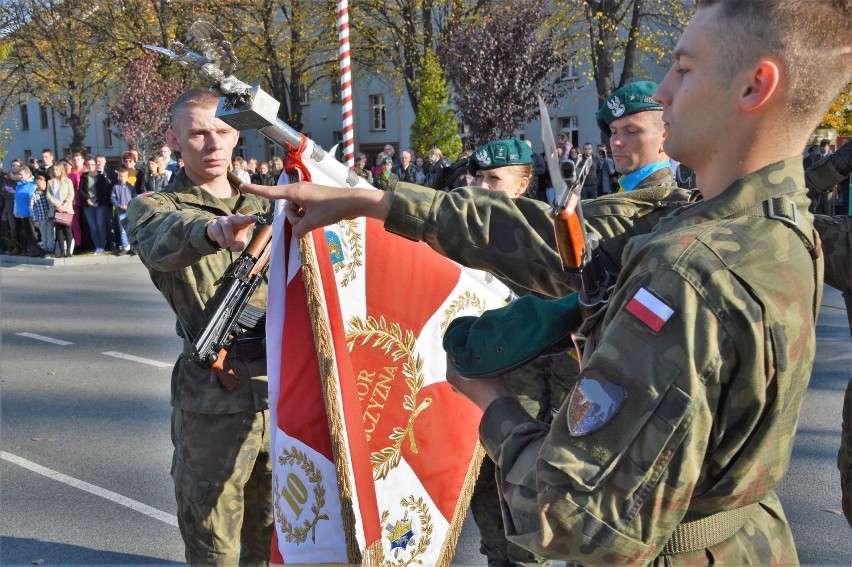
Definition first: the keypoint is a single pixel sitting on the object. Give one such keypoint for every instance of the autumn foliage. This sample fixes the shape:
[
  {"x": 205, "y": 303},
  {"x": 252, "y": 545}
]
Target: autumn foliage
[{"x": 141, "y": 113}]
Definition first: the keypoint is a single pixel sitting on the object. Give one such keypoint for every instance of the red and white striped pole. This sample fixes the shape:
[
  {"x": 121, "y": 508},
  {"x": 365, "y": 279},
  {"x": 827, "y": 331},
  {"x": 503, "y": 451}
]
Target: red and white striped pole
[{"x": 346, "y": 83}]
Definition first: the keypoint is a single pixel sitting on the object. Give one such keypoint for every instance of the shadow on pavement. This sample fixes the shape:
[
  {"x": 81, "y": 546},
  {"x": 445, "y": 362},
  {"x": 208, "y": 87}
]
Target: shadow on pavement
[{"x": 28, "y": 551}]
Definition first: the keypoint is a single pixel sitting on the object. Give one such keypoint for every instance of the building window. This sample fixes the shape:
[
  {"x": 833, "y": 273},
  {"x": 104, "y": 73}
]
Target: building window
[
  {"x": 335, "y": 91},
  {"x": 304, "y": 95},
  {"x": 107, "y": 133},
  {"x": 25, "y": 118},
  {"x": 377, "y": 112},
  {"x": 42, "y": 110},
  {"x": 27, "y": 155},
  {"x": 271, "y": 150},
  {"x": 240, "y": 150},
  {"x": 337, "y": 137},
  {"x": 572, "y": 71},
  {"x": 63, "y": 122},
  {"x": 569, "y": 125}
]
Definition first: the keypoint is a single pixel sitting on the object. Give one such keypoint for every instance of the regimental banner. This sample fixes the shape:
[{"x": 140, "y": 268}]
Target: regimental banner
[{"x": 375, "y": 456}]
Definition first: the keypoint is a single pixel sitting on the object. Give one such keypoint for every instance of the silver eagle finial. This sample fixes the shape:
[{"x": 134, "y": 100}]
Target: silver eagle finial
[{"x": 215, "y": 65}]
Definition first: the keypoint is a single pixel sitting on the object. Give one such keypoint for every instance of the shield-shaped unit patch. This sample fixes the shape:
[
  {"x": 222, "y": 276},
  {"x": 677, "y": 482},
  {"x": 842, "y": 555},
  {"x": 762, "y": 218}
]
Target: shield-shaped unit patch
[{"x": 594, "y": 402}]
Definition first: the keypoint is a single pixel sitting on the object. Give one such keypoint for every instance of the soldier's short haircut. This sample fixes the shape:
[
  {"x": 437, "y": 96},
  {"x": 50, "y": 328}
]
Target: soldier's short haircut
[
  {"x": 195, "y": 97},
  {"x": 809, "y": 38}
]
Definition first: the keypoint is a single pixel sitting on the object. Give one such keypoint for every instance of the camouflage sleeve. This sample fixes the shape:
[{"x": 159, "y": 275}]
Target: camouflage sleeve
[
  {"x": 823, "y": 175},
  {"x": 836, "y": 237},
  {"x": 166, "y": 238},
  {"x": 513, "y": 239},
  {"x": 485, "y": 230},
  {"x": 844, "y": 456},
  {"x": 618, "y": 469}
]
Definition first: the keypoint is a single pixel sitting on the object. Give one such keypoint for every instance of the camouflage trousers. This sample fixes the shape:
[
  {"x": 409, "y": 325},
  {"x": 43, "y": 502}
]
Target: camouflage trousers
[
  {"x": 542, "y": 386},
  {"x": 223, "y": 478}
]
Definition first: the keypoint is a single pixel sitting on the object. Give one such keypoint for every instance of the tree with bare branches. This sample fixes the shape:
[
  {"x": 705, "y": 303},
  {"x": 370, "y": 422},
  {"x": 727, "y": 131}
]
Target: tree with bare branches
[{"x": 500, "y": 64}]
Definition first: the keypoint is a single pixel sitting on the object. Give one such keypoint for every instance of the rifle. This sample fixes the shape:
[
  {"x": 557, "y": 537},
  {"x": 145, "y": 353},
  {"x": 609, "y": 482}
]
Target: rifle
[
  {"x": 241, "y": 279},
  {"x": 578, "y": 247}
]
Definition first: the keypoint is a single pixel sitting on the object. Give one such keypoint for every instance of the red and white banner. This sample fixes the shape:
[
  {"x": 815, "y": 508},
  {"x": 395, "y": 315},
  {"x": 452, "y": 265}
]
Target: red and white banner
[{"x": 374, "y": 455}]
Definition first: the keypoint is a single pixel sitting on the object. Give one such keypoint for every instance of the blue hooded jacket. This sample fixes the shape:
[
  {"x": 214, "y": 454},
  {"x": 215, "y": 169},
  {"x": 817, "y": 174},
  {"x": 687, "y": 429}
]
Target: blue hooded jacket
[{"x": 23, "y": 191}]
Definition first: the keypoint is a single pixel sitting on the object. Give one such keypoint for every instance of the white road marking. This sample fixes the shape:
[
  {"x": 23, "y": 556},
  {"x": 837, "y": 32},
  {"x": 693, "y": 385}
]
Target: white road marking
[
  {"x": 45, "y": 339},
  {"x": 123, "y": 356},
  {"x": 91, "y": 488}
]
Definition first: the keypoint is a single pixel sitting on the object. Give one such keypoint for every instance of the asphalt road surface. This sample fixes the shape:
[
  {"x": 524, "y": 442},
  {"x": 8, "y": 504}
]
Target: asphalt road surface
[{"x": 85, "y": 362}]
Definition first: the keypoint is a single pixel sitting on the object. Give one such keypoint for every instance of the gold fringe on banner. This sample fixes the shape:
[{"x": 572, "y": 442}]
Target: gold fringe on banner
[
  {"x": 462, "y": 505},
  {"x": 326, "y": 358}
]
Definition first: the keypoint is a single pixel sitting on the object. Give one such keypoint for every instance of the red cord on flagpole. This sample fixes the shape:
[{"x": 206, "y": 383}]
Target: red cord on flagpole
[{"x": 346, "y": 84}]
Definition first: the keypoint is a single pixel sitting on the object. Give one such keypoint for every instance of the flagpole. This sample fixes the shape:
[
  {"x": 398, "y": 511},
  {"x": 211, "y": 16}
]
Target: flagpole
[{"x": 346, "y": 83}]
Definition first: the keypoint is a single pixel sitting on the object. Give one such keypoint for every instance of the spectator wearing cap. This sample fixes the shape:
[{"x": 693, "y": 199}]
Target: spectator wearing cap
[
  {"x": 386, "y": 180},
  {"x": 502, "y": 165},
  {"x": 811, "y": 158},
  {"x": 361, "y": 168},
  {"x": 634, "y": 122}
]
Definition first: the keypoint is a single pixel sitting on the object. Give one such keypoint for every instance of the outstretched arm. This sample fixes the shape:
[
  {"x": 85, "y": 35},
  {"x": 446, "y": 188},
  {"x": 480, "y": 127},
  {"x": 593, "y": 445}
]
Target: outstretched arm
[{"x": 313, "y": 206}]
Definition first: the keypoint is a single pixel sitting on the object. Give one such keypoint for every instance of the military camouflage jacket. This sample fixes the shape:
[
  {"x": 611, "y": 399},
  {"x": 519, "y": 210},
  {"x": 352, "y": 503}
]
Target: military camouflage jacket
[
  {"x": 836, "y": 234},
  {"x": 688, "y": 402},
  {"x": 513, "y": 238},
  {"x": 169, "y": 231}
]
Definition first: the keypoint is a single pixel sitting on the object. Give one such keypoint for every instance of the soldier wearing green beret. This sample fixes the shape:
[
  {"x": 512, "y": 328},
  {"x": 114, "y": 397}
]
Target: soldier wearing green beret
[
  {"x": 502, "y": 165},
  {"x": 633, "y": 119},
  {"x": 670, "y": 445},
  {"x": 506, "y": 166},
  {"x": 386, "y": 180},
  {"x": 187, "y": 236}
]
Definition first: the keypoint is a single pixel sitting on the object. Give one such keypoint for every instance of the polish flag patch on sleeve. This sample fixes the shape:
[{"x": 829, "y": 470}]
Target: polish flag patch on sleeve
[{"x": 652, "y": 311}]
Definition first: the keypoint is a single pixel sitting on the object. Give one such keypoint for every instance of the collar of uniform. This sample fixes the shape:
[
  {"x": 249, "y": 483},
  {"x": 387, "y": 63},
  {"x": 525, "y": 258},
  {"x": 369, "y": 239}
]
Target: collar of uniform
[
  {"x": 636, "y": 178},
  {"x": 186, "y": 191},
  {"x": 786, "y": 177}
]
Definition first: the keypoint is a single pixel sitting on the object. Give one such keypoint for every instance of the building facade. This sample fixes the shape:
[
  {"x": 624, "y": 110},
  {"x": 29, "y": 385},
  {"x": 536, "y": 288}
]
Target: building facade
[{"x": 382, "y": 116}]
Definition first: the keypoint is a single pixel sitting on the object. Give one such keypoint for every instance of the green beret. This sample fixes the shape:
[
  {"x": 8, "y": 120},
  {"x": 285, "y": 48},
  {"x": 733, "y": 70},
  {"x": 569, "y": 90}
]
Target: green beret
[
  {"x": 629, "y": 99},
  {"x": 499, "y": 153},
  {"x": 503, "y": 339}
]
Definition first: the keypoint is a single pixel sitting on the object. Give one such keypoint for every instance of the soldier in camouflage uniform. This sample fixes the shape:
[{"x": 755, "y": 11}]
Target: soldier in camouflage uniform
[
  {"x": 682, "y": 422},
  {"x": 505, "y": 166},
  {"x": 836, "y": 234},
  {"x": 683, "y": 419},
  {"x": 187, "y": 236}
]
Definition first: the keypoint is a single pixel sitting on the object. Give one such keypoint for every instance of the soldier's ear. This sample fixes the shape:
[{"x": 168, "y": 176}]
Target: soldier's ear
[{"x": 172, "y": 140}]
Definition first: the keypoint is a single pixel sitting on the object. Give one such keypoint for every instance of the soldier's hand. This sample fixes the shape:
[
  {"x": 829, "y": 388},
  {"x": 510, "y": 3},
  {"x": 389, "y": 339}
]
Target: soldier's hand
[
  {"x": 481, "y": 391},
  {"x": 230, "y": 231},
  {"x": 313, "y": 206}
]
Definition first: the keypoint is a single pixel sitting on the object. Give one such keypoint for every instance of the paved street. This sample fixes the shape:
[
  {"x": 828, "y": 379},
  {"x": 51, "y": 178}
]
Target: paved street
[{"x": 86, "y": 358}]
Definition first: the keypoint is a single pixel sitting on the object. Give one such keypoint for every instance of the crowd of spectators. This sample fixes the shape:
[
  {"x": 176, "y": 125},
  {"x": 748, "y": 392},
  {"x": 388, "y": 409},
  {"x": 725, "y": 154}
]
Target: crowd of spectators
[{"x": 95, "y": 194}]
